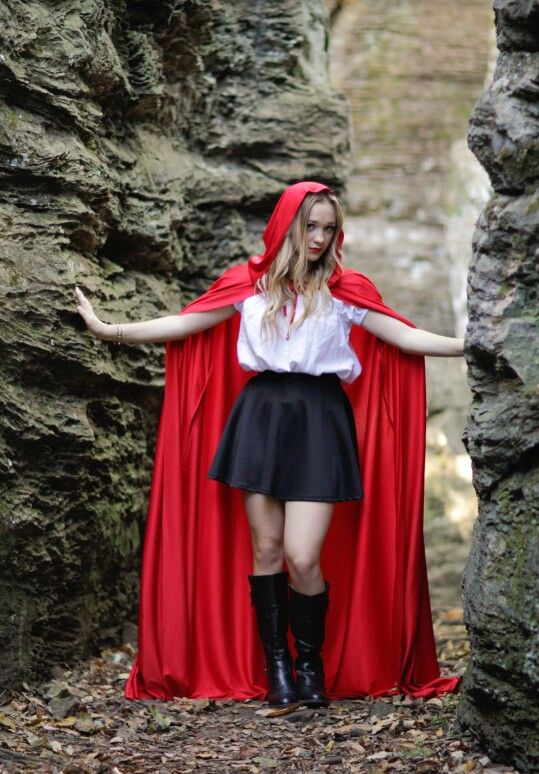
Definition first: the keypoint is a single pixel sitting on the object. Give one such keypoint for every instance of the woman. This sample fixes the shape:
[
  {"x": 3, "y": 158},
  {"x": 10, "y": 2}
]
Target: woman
[{"x": 289, "y": 445}]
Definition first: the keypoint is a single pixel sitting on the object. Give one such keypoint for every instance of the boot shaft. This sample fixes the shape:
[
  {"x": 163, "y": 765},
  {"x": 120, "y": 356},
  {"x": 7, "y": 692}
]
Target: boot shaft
[
  {"x": 308, "y": 618},
  {"x": 269, "y": 596}
]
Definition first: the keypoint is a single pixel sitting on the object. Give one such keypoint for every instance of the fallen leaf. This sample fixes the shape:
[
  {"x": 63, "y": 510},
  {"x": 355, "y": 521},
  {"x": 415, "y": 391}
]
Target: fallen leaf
[
  {"x": 297, "y": 751},
  {"x": 35, "y": 741},
  {"x": 266, "y": 763},
  {"x": 275, "y": 712},
  {"x": 413, "y": 700},
  {"x": 66, "y": 722},
  {"x": 7, "y": 722},
  {"x": 245, "y": 753},
  {"x": 202, "y": 705},
  {"x": 378, "y": 756},
  {"x": 85, "y": 726},
  {"x": 377, "y": 727},
  {"x": 34, "y": 700},
  {"x": 364, "y": 726}
]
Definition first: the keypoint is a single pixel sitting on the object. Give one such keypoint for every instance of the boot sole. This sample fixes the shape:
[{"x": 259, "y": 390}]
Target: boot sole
[{"x": 314, "y": 702}]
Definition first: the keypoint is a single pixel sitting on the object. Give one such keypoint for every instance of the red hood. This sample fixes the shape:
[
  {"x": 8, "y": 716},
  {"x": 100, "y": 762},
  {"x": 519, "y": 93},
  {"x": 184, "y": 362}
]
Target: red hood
[{"x": 279, "y": 223}]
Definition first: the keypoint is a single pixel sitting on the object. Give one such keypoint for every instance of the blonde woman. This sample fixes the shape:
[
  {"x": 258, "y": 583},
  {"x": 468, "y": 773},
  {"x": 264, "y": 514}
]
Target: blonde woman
[{"x": 290, "y": 446}]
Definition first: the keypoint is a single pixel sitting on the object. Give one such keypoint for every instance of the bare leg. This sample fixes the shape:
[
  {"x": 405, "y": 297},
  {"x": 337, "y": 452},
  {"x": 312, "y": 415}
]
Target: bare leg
[
  {"x": 269, "y": 594},
  {"x": 266, "y": 521},
  {"x": 306, "y": 526}
]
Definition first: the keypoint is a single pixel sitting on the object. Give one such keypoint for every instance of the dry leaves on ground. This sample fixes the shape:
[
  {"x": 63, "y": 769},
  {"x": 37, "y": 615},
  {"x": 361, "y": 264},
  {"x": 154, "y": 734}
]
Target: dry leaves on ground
[{"x": 80, "y": 723}]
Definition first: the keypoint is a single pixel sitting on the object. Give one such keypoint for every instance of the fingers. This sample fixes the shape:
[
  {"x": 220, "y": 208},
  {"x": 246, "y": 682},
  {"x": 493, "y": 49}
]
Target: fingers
[
  {"x": 84, "y": 304},
  {"x": 85, "y": 310},
  {"x": 80, "y": 296}
]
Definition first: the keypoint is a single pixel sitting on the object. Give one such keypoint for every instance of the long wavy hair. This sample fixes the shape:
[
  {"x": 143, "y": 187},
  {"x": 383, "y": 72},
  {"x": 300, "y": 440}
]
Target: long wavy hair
[{"x": 292, "y": 271}]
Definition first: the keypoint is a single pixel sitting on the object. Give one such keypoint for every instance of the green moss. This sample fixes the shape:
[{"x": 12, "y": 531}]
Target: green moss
[
  {"x": 532, "y": 206},
  {"x": 518, "y": 595},
  {"x": 9, "y": 117}
]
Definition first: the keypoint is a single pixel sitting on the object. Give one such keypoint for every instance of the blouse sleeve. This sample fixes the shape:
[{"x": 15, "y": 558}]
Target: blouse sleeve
[
  {"x": 238, "y": 306},
  {"x": 354, "y": 314}
]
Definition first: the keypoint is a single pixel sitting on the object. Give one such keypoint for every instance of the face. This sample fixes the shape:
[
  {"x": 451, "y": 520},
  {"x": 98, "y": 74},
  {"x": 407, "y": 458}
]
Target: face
[{"x": 321, "y": 227}]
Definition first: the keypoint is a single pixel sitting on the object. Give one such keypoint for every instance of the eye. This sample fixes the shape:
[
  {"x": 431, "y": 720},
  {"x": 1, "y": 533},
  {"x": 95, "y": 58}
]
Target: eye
[{"x": 310, "y": 226}]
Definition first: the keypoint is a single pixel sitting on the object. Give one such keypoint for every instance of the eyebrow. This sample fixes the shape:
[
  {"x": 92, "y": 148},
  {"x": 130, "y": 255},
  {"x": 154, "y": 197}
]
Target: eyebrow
[{"x": 316, "y": 222}]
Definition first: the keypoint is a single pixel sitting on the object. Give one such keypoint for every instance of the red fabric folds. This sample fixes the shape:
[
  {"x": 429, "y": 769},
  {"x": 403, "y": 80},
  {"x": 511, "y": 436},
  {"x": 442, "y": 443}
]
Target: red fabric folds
[{"x": 197, "y": 631}]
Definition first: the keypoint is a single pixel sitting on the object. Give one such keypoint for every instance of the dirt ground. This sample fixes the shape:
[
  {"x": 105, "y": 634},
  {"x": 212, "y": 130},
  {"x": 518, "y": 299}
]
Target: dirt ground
[{"x": 80, "y": 722}]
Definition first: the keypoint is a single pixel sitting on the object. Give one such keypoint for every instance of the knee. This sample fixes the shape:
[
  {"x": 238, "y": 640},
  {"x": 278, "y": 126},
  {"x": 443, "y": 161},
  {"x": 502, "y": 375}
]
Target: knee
[
  {"x": 302, "y": 566},
  {"x": 268, "y": 553}
]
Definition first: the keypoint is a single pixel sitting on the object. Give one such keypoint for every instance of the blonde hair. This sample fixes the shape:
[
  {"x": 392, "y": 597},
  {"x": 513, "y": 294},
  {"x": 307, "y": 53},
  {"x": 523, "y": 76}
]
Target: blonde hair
[{"x": 291, "y": 266}]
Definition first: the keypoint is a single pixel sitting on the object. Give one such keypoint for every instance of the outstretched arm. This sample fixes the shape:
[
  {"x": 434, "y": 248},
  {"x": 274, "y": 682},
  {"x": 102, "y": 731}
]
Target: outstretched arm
[
  {"x": 415, "y": 341},
  {"x": 155, "y": 331}
]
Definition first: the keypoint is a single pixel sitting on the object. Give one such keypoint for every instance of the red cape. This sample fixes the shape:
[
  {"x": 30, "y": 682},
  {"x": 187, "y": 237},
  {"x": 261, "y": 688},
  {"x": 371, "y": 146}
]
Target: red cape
[{"x": 197, "y": 630}]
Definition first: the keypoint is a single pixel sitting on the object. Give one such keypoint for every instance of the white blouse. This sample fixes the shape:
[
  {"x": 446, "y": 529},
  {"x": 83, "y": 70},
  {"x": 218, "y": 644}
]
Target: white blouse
[{"x": 319, "y": 345}]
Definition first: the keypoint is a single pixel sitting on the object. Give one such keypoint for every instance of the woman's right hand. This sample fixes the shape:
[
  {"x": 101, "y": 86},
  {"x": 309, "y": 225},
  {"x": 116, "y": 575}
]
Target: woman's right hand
[{"x": 100, "y": 329}]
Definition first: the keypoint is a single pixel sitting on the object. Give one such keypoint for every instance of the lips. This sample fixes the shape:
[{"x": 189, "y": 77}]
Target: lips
[{"x": 315, "y": 249}]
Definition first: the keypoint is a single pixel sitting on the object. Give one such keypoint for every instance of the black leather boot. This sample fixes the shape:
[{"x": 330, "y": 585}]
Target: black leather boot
[
  {"x": 269, "y": 595},
  {"x": 307, "y": 620}
]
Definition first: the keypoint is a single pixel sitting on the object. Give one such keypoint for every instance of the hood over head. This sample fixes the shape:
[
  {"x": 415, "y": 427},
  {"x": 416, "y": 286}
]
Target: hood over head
[{"x": 279, "y": 223}]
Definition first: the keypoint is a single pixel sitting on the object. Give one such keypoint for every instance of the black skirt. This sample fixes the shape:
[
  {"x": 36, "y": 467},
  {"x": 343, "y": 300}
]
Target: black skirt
[{"x": 291, "y": 435}]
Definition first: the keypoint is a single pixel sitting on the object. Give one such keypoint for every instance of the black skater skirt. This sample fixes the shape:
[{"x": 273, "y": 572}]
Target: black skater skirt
[{"x": 291, "y": 435}]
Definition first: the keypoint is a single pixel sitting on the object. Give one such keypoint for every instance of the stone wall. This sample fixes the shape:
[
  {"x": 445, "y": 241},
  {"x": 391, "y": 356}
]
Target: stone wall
[
  {"x": 500, "y": 701},
  {"x": 142, "y": 146}
]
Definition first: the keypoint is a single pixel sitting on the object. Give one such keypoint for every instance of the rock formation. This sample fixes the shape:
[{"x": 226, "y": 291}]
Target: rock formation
[
  {"x": 500, "y": 700},
  {"x": 142, "y": 146}
]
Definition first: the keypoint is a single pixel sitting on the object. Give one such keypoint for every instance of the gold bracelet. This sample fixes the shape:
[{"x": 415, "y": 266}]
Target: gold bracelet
[{"x": 119, "y": 334}]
